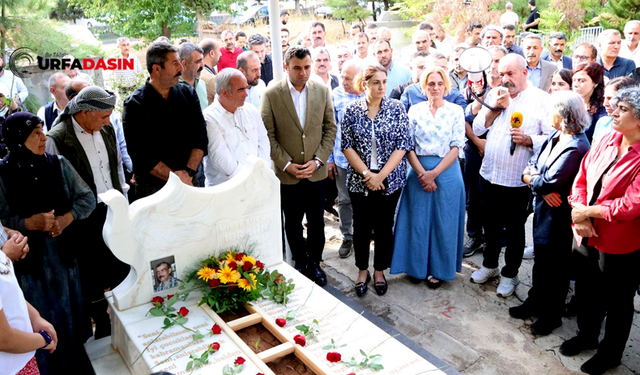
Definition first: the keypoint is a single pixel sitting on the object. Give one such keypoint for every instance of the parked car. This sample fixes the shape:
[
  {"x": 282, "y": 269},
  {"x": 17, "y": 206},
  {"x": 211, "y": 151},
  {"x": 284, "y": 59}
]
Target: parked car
[
  {"x": 252, "y": 15},
  {"x": 323, "y": 12}
]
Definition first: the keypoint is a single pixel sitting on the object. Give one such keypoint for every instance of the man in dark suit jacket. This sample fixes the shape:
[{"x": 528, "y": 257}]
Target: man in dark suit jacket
[
  {"x": 540, "y": 72},
  {"x": 298, "y": 115},
  {"x": 557, "y": 44}
]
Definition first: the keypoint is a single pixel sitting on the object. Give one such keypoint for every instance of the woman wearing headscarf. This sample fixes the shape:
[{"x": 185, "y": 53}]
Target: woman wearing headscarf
[{"x": 40, "y": 196}]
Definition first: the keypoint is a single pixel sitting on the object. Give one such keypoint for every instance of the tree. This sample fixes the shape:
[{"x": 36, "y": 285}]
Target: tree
[
  {"x": 65, "y": 12},
  {"x": 349, "y": 10},
  {"x": 149, "y": 18}
]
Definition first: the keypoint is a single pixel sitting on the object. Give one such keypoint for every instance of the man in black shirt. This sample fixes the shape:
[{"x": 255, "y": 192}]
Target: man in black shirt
[
  {"x": 534, "y": 17},
  {"x": 258, "y": 44},
  {"x": 163, "y": 124}
]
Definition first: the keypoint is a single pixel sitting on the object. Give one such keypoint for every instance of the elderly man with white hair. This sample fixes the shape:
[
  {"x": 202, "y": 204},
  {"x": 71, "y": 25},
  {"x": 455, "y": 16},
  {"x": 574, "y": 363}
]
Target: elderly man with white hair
[
  {"x": 492, "y": 36},
  {"x": 509, "y": 17},
  {"x": 234, "y": 128},
  {"x": 629, "y": 47},
  {"x": 501, "y": 170},
  {"x": 614, "y": 66}
]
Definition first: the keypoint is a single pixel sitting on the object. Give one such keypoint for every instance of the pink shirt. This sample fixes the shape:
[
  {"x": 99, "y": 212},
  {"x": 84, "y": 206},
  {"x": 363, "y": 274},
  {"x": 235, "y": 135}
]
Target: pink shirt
[
  {"x": 228, "y": 59},
  {"x": 619, "y": 229}
]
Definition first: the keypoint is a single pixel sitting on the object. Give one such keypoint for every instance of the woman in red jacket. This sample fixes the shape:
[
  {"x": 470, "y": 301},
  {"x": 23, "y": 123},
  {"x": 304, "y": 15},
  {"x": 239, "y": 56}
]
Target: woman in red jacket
[{"x": 606, "y": 223}]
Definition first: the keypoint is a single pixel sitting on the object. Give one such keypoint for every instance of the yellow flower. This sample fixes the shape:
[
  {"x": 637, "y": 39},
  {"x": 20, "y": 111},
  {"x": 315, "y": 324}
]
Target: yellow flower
[
  {"x": 206, "y": 273},
  {"x": 231, "y": 256},
  {"x": 228, "y": 276},
  {"x": 247, "y": 258},
  {"x": 247, "y": 284}
]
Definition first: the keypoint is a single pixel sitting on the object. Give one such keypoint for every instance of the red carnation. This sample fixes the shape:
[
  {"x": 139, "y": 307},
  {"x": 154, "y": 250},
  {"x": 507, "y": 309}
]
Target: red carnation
[
  {"x": 281, "y": 322},
  {"x": 231, "y": 287},
  {"x": 216, "y": 329},
  {"x": 247, "y": 266},
  {"x": 239, "y": 361},
  {"x": 233, "y": 266},
  {"x": 300, "y": 340},
  {"x": 276, "y": 281},
  {"x": 157, "y": 300},
  {"x": 260, "y": 265},
  {"x": 169, "y": 296},
  {"x": 239, "y": 256},
  {"x": 259, "y": 373},
  {"x": 183, "y": 311},
  {"x": 334, "y": 357},
  {"x": 214, "y": 283},
  {"x": 215, "y": 346}
]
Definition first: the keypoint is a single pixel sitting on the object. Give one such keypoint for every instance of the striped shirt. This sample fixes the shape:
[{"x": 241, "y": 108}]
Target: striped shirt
[
  {"x": 3, "y": 237},
  {"x": 499, "y": 167}
]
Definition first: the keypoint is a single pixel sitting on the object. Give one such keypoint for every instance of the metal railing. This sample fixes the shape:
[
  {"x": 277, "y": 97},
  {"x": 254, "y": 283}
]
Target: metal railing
[{"x": 587, "y": 35}]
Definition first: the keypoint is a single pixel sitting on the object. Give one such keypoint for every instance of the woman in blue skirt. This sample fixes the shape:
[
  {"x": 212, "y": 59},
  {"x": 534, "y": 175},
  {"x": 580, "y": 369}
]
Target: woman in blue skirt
[{"x": 429, "y": 230}]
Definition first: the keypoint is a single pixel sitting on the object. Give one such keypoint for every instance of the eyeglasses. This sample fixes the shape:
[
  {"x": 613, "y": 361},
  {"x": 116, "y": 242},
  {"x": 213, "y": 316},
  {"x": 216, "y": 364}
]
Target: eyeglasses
[{"x": 581, "y": 57}]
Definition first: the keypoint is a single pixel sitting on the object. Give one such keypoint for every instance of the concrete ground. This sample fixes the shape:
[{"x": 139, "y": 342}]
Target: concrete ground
[{"x": 467, "y": 325}]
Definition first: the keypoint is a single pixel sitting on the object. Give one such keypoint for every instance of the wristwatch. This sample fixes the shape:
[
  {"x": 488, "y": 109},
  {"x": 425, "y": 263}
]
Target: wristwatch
[
  {"x": 319, "y": 165},
  {"x": 364, "y": 173},
  {"x": 190, "y": 171},
  {"x": 46, "y": 337}
]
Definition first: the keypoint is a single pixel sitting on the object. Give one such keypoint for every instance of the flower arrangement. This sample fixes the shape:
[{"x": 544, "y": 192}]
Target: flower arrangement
[{"x": 233, "y": 278}]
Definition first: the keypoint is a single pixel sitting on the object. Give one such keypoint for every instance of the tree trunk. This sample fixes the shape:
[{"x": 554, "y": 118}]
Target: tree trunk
[
  {"x": 3, "y": 32},
  {"x": 373, "y": 9},
  {"x": 297, "y": 6},
  {"x": 386, "y": 5},
  {"x": 166, "y": 31},
  {"x": 200, "y": 23}
]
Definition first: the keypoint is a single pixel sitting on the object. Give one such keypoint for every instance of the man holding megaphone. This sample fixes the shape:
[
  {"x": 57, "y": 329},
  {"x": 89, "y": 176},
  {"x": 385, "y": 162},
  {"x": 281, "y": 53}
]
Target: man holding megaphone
[{"x": 515, "y": 123}]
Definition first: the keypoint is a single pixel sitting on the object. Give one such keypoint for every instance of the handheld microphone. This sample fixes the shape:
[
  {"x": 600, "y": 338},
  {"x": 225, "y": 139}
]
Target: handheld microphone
[{"x": 516, "y": 122}]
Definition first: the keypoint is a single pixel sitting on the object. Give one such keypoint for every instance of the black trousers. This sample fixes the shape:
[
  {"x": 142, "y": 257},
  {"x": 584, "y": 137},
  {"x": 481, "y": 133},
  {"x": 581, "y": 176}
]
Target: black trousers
[
  {"x": 551, "y": 277},
  {"x": 472, "y": 164},
  {"x": 504, "y": 207},
  {"x": 304, "y": 198},
  {"x": 373, "y": 212},
  {"x": 605, "y": 286}
]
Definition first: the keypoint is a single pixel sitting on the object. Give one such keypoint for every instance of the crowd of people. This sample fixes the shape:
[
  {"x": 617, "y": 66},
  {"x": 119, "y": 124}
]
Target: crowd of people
[{"x": 405, "y": 146}]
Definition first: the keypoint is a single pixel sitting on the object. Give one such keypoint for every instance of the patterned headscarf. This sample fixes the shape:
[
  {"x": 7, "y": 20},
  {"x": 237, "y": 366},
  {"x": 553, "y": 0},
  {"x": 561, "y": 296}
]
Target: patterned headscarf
[
  {"x": 91, "y": 98},
  {"x": 17, "y": 128}
]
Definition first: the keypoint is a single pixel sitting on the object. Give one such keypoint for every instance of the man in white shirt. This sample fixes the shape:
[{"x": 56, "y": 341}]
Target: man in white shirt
[
  {"x": 50, "y": 112},
  {"x": 629, "y": 48},
  {"x": 362, "y": 46},
  {"x": 420, "y": 42},
  {"x": 509, "y": 17},
  {"x": 13, "y": 83},
  {"x": 505, "y": 196},
  {"x": 234, "y": 128},
  {"x": 248, "y": 64},
  {"x": 126, "y": 80},
  {"x": 321, "y": 68}
]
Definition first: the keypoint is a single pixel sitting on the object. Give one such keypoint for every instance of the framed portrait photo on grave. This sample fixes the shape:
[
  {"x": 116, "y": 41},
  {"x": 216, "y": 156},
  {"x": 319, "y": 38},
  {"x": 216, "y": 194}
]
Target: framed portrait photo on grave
[{"x": 164, "y": 274}]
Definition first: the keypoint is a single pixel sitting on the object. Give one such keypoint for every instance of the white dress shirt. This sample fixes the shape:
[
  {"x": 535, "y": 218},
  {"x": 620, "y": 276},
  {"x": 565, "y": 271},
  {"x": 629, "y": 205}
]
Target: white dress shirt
[
  {"x": 627, "y": 54},
  {"x": 255, "y": 93},
  {"x": 96, "y": 151},
  {"x": 499, "y": 167},
  {"x": 233, "y": 137},
  {"x": 57, "y": 111},
  {"x": 299, "y": 101}
]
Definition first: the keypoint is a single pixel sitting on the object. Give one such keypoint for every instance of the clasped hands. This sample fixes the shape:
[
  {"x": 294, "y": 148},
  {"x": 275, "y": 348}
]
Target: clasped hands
[
  {"x": 48, "y": 222},
  {"x": 16, "y": 247},
  {"x": 582, "y": 224},
  {"x": 374, "y": 181},
  {"x": 428, "y": 180},
  {"x": 301, "y": 171}
]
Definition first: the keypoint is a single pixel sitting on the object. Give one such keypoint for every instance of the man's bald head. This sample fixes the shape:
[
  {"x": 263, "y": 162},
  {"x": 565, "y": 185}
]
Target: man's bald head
[{"x": 74, "y": 87}]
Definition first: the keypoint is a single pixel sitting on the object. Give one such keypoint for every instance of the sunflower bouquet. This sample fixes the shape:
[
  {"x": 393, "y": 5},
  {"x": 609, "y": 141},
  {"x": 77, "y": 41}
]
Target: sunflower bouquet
[{"x": 233, "y": 278}]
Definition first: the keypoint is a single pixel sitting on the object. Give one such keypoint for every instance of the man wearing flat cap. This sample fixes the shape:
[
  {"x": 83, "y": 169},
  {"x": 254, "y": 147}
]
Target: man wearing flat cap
[{"x": 83, "y": 134}]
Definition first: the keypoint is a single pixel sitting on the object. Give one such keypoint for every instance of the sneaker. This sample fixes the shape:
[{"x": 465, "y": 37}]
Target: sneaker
[
  {"x": 483, "y": 274},
  {"x": 507, "y": 286},
  {"x": 471, "y": 246},
  {"x": 345, "y": 248},
  {"x": 528, "y": 252}
]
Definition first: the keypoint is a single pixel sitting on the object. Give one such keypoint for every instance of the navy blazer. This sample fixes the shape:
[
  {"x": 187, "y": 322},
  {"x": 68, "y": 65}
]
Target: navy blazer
[
  {"x": 557, "y": 163},
  {"x": 567, "y": 63}
]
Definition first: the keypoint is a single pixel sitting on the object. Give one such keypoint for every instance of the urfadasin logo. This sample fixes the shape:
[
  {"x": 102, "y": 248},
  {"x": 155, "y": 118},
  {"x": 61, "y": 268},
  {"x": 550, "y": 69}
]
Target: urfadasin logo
[{"x": 18, "y": 59}]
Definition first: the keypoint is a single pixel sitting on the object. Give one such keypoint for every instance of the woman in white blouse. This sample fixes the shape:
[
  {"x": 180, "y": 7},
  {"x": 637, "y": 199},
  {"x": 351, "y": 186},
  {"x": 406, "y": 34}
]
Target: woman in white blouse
[{"x": 429, "y": 230}]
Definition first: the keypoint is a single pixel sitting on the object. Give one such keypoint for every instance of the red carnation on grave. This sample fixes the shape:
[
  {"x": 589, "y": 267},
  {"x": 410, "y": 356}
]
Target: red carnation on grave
[
  {"x": 281, "y": 322},
  {"x": 239, "y": 361},
  {"x": 276, "y": 281},
  {"x": 169, "y": 296},
  {"x": 300, "y": 340},
  {"x": 215, "y": 346},
  {"x": 216, "y": 329},
  {"x": 247, "y": 266},
  {"x": 260, "y": 266},
  {"x": 157, "y": 300},
  {"x": 183, "y": 311},
  {"x": 334, "y": 357},
  {"x": 239, "y": 256},
  {"x": 214, "y": 283},
  {"x": 233, "y": 266}
]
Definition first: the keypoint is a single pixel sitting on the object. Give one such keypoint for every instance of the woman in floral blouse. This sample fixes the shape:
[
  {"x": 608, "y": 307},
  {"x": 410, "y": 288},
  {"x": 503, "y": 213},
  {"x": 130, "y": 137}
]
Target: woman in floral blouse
[
  {"x": 429, "y": 232},
  {"x": 375, "y": 138}
]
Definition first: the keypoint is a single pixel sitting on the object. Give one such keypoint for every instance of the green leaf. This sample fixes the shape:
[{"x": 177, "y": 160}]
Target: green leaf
[
  {"x": 376, "y": 366},
  {"x": 375, "y": 356},
  {"x": 156, "y": 312},
  {"x": 182, "y": 320},
  {"x": 363, "y": 353},
  {"x": 327, "y": 347},
  {"x": 189, "y": 365},
  {"x": 197, "y": 336},
  {"x": 167, "y": 322}
]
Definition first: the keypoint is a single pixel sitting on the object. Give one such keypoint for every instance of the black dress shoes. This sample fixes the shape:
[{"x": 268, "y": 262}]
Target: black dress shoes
[
  {"x": 576, "y": 345},
  {"x": 301, "y": 267},
  {"x": 381, "y": 287},
  {"x": 524, "y": 311},
  {"x": 545, "y": 325},
  {"x": 361, "y": 288},
  {"x": 315, "y": 273},
  {"x": 599, "y": 364}
]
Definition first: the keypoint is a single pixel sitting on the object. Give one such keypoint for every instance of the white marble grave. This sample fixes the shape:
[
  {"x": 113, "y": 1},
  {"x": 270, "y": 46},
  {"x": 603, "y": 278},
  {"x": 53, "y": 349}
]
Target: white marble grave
[{"x": 186, "y": 224}]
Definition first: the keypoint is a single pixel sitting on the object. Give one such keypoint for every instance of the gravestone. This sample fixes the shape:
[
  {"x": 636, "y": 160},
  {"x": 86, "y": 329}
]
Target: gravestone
[{"x": 180, "y": 225}]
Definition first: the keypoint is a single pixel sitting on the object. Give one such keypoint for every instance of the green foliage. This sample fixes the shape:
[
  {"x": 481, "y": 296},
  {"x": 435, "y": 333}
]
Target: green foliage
[
  {"x": 232, "y": 370},
  {"x": 619, "y": 12},
  {"x": 349, "y": 10},
  {"x": 63, "y": 11},
  {"x": 32, "y": 104},
  {"x": 150, "y": 19},
  {"x": 278, "y": 288}
]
